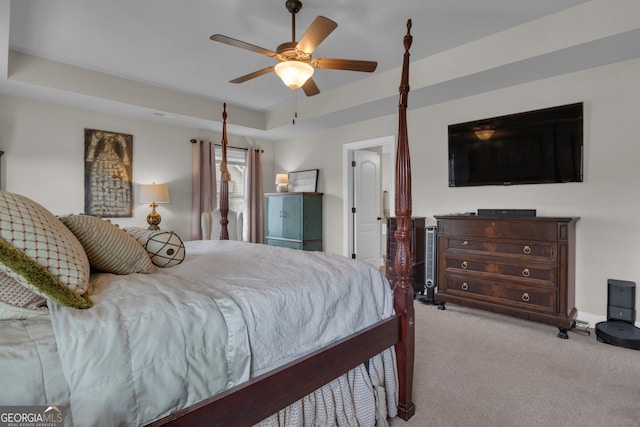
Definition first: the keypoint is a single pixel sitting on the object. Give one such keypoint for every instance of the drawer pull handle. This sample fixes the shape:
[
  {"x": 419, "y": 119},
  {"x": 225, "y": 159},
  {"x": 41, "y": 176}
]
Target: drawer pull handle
[
  {"x": 526, "y": 250},
  {"x": 464, "y": 265},
  {"x": 526, "y": 272},
  {"x": 525, "y": 297},
  {"x": 465, "y": 286},
  {"x": 465, "y": 243}
]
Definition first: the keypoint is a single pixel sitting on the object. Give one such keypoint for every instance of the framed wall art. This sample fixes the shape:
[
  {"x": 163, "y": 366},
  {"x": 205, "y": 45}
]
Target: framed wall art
[
  {"x": 108, "y": 173},
  {"x": 303, "y": 181}
]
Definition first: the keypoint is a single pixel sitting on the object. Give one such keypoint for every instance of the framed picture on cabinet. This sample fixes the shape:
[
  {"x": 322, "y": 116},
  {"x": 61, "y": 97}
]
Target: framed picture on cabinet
[{"x": 303, "y": 181}]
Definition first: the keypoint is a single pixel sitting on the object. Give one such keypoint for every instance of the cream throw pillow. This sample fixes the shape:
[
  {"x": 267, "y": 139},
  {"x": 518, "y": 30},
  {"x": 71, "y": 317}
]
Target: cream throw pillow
[
  {"x": 38, "y": 251},
  {"x": 165, "y": 248},
  {"x": 108, "y": 247}
]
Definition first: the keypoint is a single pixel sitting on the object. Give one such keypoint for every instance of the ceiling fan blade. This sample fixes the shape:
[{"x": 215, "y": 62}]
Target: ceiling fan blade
[
  {"x": 319, "y": 29},
  {"x": 253, "y": 75},
  {"x": 310, "y": 88},
  {"x": 243, "y": 45},
  {"x": 345, "y": 64}
]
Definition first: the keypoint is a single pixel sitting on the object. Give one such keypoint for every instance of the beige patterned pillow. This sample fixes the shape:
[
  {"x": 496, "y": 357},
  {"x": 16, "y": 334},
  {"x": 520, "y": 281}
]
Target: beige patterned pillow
[
  {"x": 109, "y": 248},
  {"x": 165, "y": 248},
  {"x": 39, "y": 252},
  {"x": 18, "y": 302}
]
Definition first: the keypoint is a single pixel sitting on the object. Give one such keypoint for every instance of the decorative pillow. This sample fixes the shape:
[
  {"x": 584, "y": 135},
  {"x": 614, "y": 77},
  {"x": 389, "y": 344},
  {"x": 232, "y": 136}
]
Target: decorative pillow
[
  {"x": 109, "y": 248},
  {"x": 165, "y": 248},
  {"x": 39, "y": 252},
  {"x": 18, "y": 302}
]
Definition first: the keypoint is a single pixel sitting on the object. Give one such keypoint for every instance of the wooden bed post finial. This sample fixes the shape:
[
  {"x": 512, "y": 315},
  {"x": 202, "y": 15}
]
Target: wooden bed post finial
[
  {"x": 403, "y": 291},
  {"x": 225, "y": 177}
]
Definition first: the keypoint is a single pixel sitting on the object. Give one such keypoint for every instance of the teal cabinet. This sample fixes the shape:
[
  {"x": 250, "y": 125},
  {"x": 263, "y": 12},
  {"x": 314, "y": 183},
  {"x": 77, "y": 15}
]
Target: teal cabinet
[{"x": 294, "y": 220}]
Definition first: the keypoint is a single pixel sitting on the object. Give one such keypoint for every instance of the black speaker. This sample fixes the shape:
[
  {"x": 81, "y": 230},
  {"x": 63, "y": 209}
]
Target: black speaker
[
  {"x": 621, "y": 300},
  {"x": 430, "y": 267},
  {"x": 528, "y": 213}
]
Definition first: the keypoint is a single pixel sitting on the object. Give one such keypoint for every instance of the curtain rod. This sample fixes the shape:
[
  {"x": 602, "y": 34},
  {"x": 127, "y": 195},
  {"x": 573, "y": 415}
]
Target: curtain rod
[{"x": 193, "y": 141}]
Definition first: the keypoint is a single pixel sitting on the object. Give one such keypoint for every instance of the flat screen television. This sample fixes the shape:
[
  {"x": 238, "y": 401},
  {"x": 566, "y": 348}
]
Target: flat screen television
[{"x": 535, "y": 147}]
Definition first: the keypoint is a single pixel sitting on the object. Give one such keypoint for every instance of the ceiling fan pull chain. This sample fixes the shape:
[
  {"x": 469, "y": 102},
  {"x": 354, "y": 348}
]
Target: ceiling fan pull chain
[{"x": 294, "y": 107}]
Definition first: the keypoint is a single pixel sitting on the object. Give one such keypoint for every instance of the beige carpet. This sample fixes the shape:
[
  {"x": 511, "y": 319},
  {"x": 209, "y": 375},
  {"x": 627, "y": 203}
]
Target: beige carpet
[{"x": 476, "y": 368}]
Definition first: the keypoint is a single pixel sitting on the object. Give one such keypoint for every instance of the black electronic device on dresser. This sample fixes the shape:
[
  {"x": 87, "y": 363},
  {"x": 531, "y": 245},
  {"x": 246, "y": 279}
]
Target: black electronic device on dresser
[
  {"x": 521, "y": 266},
  {"x": 416, "y": 249}
]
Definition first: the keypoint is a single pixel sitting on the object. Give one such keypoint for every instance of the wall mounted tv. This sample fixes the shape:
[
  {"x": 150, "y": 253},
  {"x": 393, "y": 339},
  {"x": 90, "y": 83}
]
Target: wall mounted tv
[{"x": 535, "y": 147}]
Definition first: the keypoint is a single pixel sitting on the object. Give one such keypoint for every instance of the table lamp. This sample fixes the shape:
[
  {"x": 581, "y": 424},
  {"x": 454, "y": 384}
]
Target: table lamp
[
  {"x": 282, "y": 182},
  {"x": 153, "y": 194}
]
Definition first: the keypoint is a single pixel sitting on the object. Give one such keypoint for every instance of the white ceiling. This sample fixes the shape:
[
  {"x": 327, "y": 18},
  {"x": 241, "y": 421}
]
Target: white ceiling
[{"x": 165, "y": 44}]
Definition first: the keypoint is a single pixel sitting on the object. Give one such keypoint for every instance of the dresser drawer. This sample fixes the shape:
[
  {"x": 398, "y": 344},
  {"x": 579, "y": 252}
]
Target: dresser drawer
[
  {"x": 542, "y": 273},
  {"x": 526, "y": 297},
  {"x": 540, "y": 250},
  {"x": 505, "y": 228}
]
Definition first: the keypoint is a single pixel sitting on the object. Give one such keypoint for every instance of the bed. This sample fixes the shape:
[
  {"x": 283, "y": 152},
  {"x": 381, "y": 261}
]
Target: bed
[{"x": 215, "y": 332}]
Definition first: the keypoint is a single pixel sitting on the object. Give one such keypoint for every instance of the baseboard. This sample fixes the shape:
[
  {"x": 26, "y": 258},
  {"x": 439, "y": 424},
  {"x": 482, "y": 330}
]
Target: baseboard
[{"x": 592, "y": 319}]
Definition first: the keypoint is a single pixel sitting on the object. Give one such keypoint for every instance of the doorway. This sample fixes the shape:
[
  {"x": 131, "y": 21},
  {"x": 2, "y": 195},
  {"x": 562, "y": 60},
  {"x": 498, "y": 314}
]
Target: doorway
[{"x": 365, "y": 229}]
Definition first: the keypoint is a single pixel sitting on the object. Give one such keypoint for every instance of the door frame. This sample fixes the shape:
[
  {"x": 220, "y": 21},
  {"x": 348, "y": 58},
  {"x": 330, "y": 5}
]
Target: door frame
[{"x": 388, "y": 144}]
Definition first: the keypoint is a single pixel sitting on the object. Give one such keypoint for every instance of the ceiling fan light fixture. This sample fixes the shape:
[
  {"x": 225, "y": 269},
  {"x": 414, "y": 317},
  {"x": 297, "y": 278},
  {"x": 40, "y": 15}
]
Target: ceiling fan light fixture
[{"x": 294, "y": 73}]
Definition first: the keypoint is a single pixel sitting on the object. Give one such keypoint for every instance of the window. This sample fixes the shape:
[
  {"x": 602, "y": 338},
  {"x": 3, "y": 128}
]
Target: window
[{"x": 236, "y": 166}]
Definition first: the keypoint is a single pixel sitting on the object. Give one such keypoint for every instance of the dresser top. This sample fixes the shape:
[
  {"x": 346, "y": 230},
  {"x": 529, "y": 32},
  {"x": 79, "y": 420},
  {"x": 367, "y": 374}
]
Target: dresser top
[
  {"x": 508, "y": 218},
  {"x": 302, "y": 193}
]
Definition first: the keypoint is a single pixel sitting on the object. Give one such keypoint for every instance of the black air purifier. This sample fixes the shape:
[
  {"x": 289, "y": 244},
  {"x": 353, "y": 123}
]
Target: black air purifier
[{"x": 619, "y": 328}]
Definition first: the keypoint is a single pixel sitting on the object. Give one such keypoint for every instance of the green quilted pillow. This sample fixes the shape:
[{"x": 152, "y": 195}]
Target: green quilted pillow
[{"x": 39, "y": 252}]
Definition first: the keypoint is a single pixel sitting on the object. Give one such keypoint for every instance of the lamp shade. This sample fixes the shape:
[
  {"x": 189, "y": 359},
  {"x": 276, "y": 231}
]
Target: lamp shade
[
  {"x": 294, "y": 73},
  {"x": 282, "y": 178},
  {"x": 154, "y": 193},
  {"x": 282, "y": 181}
]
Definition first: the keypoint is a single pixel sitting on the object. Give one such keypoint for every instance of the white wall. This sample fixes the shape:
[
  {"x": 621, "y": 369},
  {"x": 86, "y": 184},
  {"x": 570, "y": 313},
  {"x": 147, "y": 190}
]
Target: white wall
[
  {"x": 44, "y": 150},
  {"x": 44, "y": 158},
  {"x": 608, "y": 201}
]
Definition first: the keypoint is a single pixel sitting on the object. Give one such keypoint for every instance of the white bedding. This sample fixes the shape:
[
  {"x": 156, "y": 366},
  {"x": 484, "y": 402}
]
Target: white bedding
[
  {"x": 150, "y": 344},
  {"x": 153, "y": 344},
  {"x": 29, "y": 365},
  {"x": 292, "y": 300}
]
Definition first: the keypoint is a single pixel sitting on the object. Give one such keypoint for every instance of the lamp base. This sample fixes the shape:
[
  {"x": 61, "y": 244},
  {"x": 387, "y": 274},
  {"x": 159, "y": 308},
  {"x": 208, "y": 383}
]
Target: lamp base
[
  {"x": 282, "y": 188},
  {"x": 153, "y": 219}
]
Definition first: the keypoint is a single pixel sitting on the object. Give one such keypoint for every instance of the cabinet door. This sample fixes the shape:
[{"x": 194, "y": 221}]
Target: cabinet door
[
  {"x": 283, "y": 217},
  {"x": 291, "y": 216},
  {"x": 274, "y": 218}
]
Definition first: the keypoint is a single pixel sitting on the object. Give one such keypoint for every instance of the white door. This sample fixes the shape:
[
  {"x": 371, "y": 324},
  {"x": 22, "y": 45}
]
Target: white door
[{"x": 367, "y": 213}]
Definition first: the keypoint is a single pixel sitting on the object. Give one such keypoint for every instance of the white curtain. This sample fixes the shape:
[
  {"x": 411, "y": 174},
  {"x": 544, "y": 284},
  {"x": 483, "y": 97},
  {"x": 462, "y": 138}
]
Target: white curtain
[
  {"x": 204, "y": 183},
  {"x": 253, "y": 197}
]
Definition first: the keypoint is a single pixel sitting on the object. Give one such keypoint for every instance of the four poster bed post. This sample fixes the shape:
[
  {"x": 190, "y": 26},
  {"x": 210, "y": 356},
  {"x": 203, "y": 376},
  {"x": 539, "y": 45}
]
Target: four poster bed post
[
  {"x": 403, "y": 293},
  {"x": 225, "y": 177},
  {"x": 260, "y": 397}
]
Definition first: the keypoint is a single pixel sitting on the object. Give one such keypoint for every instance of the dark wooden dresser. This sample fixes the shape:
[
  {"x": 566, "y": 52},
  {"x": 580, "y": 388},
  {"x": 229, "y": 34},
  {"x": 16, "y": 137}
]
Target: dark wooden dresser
[
  {"x": 416, "y": 249},
  {"x": 523, "y": 267}
]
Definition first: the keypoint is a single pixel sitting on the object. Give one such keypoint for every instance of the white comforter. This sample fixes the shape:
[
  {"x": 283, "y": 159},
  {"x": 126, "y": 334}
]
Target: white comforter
[
  {"x": 293, "y": 301},
  {"x": 156, "y": 343},
  {"x": 150, "y": 344}
]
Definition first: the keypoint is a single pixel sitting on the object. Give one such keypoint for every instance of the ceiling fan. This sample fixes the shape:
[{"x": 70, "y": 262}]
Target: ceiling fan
[{"x": 295, "y": 63}]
